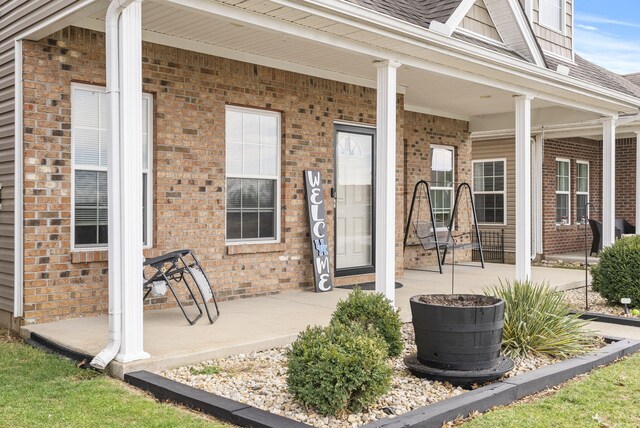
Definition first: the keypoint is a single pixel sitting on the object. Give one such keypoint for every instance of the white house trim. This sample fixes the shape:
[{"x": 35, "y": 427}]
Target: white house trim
[
  {"x": 18, "y": 210},
  {"x": 434, "y": 112},
  {"x": 505, "y": 25},
  {"x": 523, "y": 187},
  {"x": 458, "y": 15},
  {"x": 403, "y": 32},
  {"x": 386, "y": 180},
  {"x": 538, "y": 219},
  {"x": 608, "y": 181}
]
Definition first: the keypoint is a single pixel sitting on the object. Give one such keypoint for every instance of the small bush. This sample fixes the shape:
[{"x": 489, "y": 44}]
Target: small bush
[
  {"x": 617, "y": 274},
  {"x": 537, "y": 320},
  {"x": 374, "y": 312},
  {"x": 338, "y": 368}
]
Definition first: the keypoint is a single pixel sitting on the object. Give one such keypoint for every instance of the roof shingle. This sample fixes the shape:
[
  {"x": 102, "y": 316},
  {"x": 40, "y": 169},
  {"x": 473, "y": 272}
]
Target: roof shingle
[{"x": 419, "y": 12}]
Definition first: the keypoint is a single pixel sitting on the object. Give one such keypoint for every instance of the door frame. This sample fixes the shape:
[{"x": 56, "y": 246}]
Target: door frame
[{"x": 362, "y": 130}]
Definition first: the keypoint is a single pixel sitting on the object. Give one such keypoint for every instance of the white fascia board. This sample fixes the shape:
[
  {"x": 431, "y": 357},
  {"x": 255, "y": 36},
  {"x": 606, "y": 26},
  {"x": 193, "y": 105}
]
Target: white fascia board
[
  {"x": 458, "y": 15},
  {"x": 434, "y": 112},
  {"x": 625, "y": 120},
  {"x": 356, "y": 15},
  {"x": 568, "y": 130}
]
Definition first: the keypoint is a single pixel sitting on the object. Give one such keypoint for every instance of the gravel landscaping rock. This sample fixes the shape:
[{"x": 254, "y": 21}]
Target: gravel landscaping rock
[
  {"x": 259, "y": 379},
  {"x": 597, "y": 303}
]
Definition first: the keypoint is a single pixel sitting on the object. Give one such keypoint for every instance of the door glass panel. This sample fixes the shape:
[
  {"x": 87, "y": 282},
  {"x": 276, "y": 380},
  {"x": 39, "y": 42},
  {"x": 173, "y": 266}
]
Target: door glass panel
[{"x": 354, "y": 200}]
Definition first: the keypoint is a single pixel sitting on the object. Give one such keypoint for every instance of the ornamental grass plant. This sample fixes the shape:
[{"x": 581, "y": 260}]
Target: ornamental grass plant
[{"x": 537, "y": 320}]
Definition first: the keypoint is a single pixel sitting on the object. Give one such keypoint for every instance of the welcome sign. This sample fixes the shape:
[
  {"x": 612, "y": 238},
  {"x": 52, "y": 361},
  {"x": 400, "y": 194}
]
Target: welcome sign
[{"x": 318, "y": 231}]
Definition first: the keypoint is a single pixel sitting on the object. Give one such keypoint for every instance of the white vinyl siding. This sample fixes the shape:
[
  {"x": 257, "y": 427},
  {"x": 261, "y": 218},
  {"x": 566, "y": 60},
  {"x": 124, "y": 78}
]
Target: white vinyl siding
[
  {"x": 582, "y": 191},
  {"x": 442, "y": 183},
  {"x": 489, "y": 191},
  {"x": 253, "y": 175},
  {"x": 89, "y": 140},
  {"x": 563, "y": 191}
]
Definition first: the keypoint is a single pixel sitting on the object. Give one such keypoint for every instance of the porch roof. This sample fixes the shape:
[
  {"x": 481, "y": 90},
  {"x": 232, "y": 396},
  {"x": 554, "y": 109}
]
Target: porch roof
[{"x": 447, "y": 76}]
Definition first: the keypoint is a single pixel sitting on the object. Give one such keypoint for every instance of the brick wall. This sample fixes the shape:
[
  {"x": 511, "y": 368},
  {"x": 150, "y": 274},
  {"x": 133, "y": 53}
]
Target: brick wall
[
  {"x": 626, "y": 179},
  {"x": 563, "y": 239},
  {"x": 190, "y": 91},
  {"x": 559, "y": 239},
  {"x": 421, "y": 131}
]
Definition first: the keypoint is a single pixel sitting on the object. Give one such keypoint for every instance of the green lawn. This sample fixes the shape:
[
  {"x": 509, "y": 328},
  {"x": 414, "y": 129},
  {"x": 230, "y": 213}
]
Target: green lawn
[
  {"x": 608, "y": 397},
  {"x": 42, "y": 390}
]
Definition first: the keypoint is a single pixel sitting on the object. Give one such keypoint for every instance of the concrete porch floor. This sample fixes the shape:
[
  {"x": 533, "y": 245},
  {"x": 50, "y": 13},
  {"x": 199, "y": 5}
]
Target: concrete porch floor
[{"x": 261, "y": 323}]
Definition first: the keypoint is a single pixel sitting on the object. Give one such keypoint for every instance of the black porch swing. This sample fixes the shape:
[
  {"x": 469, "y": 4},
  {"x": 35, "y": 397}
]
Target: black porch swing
[{"x": 440, "y": 237}]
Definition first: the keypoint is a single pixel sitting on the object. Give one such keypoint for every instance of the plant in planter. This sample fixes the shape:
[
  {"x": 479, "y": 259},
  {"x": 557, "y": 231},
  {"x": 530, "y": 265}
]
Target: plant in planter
[{"x": 458, "y": 338}]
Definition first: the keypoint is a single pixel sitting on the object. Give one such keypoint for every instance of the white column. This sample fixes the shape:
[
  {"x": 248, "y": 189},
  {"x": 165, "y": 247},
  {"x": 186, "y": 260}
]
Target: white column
[
  {"x": 523, "y": 187},
  {"x": 608, "y": 181},
  {"x": 386, "y": 180},
  {"x": 538, "y": 153},
  {"x": 125, "y": 186},
  {"x": 637, "y": 182}
]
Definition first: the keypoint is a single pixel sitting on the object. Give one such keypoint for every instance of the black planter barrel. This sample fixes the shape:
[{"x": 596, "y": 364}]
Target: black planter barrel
[{"x": 458, "y": 338}]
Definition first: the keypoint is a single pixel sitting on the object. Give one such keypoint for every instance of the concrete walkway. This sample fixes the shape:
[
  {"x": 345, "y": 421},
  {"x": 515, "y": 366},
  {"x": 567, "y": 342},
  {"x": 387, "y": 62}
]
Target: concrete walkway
[{"x": 265, "y": 322}]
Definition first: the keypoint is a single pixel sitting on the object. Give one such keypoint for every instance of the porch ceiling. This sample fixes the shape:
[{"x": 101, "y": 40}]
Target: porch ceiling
[{"x": 441, "y": 92}]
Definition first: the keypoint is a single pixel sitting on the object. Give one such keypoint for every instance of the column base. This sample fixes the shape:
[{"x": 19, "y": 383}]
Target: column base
[{"x": 127, "y": 358}]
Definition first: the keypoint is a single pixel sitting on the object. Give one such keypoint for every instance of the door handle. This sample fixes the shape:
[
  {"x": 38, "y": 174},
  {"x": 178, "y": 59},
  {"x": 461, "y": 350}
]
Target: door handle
[
  {"x": 0, "y": 196},
  {"x": 333, "y": 193}
]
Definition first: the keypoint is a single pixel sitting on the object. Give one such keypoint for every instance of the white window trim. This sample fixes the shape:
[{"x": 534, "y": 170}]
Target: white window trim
[
  {"x": 582, "y": 162},
  {"x": 149, "y": 171},
  {"x": 277, "y": 178},
  {"x": 563, "y": 19},
  {"x": 568, "y": 192},
  {"x": 453, "y": 178},
  {"x": 504, "y": 191}
]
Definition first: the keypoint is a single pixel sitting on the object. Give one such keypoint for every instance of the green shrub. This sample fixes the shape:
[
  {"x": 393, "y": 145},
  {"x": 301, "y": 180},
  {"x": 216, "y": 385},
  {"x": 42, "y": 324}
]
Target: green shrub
[
  {"x": 375, "y": 313},
  {"x": 617, "y": 274},
  {"x": 338, "y": 368},
  {"x": 537, "y": 320}
]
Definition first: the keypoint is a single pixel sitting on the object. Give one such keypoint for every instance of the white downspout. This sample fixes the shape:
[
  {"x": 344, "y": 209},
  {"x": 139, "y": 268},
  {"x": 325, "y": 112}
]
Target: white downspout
[{"x": 113, "y": 92}]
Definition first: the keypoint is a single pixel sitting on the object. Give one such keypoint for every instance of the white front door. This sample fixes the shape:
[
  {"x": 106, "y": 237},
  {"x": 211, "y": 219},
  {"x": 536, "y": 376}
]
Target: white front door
[{"x": 354, "y": 200}]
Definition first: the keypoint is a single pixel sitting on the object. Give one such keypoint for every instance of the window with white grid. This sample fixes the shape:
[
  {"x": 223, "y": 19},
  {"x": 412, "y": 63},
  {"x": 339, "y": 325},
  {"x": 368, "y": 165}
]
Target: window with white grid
[
  {"x": 582, "y": 191},
  {"x": 552, "y": 14},
  {"x": 89, "y": 141},
  {"x": 442, "y": 183},
  {"x": 253, "y": 175},
  {"x": 563, "y": 188},
  {"x": 489, "y": 191}
]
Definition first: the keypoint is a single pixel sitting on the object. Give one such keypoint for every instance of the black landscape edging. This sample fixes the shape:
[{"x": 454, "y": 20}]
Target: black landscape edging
[
  {"x": 220, "y": 407},
  {"x": 611, "y": 319},
  {"x": 509, "y": 390},
  {"x": 48, "y": 346},
  {"x": 435, "y": 415}
]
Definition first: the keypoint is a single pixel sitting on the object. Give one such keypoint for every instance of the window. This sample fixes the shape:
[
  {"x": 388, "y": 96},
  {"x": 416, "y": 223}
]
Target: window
[
  {"x": 89, "y": 140},
  {"x": 253, "y": 175},
  {"x": 563, "y": 177},
  {"x": 552, "y": 14},
  {"x": 442, "y": 179},
  {"x": 489, "y": 190},
  {"x": 582, "y": 191}
]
